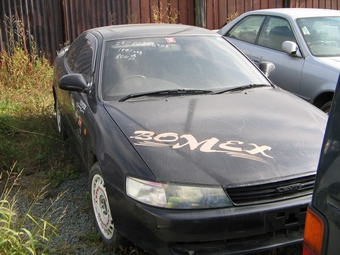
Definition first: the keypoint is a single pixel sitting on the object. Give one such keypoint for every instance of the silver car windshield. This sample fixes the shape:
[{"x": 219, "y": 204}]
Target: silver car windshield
[
  {"x": 174, "y": 63},
  {"x": 322, "y": 35}
]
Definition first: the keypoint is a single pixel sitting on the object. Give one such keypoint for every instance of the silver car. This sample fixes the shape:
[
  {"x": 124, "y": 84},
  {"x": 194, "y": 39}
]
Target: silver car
[{"x": 303, "y": 43}]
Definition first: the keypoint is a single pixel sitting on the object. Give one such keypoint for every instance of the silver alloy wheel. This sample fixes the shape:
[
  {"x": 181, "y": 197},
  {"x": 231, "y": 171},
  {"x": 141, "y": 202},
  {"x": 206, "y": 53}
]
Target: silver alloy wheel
[
  {"x": 101, "y": 207},
  {"x": 58, "y": 117}
]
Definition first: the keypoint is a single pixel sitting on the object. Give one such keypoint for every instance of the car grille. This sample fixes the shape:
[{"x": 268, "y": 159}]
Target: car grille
[
  {"x": 271, "y": 192},
  {"x": 247, "y": 245}
]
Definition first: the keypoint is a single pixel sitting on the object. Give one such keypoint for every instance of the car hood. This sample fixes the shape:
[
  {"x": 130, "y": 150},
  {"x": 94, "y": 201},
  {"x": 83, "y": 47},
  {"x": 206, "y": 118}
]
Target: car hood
[{"x": 230, "y": 139}]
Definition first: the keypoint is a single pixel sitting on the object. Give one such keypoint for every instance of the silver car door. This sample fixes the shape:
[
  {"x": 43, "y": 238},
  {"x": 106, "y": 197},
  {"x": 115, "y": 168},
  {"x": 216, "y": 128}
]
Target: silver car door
[{"x": 288, "y": 67}]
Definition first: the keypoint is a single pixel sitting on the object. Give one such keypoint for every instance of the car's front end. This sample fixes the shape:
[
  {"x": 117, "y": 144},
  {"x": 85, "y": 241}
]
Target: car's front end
[
  {"x": 234, "y": 230},
  {"x": 190, "y": 149},
  {"x": 217, "y": 189}
]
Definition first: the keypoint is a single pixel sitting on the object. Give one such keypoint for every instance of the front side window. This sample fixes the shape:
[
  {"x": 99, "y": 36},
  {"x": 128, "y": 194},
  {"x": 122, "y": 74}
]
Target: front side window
[
  {"x": 174, "y": 63},
  {"x": 83, "y": 61},
  {"x": 73, "y": 51},
  {"x": 322, "y": 35},
  {"x": 247, "y": 29},
  {"x": 274, "y": 32}
]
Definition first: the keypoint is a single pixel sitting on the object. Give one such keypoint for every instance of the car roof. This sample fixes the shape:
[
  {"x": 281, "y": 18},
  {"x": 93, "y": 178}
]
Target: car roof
[
  {"x": 296, "y": 13},
  {"x": 148, "y": 30}
]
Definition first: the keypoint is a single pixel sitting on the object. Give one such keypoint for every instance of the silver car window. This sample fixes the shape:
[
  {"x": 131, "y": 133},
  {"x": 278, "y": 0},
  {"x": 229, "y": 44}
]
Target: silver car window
[
  {"x": 247, "y": 29},
  {"x": 322, "y": 35},
  {"x": 275, "y": 31}
]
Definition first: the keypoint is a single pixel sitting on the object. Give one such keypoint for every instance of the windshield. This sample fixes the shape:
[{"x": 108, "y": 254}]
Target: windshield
[
  {"x": 174, "y": 63},
  {"x": 322, "y": 35}
]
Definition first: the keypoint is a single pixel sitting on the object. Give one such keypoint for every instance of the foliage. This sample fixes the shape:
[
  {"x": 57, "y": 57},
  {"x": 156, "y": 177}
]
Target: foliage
[
  {"x": 232, "y": 16},
  {"x": 132, "y": 19},
  {"x": 23, "y": 233},
  {"x": 167, "y": 15}
]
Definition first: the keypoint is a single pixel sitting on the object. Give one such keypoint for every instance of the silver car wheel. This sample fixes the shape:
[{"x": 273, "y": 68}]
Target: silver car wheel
[{"x": 101, "y": 207}]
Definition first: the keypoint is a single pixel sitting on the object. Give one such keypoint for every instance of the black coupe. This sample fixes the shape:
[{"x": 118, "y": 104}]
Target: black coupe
[{"x": 190, "y": 148}]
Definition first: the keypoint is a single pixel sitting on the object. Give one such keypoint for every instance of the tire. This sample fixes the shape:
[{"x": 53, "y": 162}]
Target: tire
[
  {"x": 326, "y": 107},
  {"x": 59, "y": 122},
  {"x": 101, "y": 209}
]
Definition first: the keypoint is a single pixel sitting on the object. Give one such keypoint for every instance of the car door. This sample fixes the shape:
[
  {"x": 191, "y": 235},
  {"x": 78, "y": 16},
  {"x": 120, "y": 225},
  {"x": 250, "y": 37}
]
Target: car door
[
  {"x": 268, "y": 47},
  {"x": 80, "y": 59}
]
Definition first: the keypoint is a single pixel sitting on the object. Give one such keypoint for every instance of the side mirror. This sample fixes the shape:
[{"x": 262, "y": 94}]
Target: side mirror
[
  {"x": 291, "y": 48},
  {"x": 74, "y": 82},
  {"x": 267, "y": 67}
]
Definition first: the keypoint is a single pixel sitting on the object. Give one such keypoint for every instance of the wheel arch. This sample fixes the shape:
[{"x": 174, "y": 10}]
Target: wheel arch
[
  {"x": 323, "y": 98},
  {"x": 92, "y": 159}
]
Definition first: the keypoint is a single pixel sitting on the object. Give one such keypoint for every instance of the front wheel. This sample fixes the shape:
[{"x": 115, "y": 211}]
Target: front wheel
[{"x": 101, "y": 209}]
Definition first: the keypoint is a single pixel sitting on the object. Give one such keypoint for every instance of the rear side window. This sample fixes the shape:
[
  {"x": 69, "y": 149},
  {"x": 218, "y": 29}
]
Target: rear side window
[{"x": 247, "y": 29}]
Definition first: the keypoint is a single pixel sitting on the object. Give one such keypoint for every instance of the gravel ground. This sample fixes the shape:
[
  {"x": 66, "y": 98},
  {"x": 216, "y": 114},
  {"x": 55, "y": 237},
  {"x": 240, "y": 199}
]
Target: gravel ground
[
  {"x": 69, "y": 209},
  {"x": 76, "y": 227}
]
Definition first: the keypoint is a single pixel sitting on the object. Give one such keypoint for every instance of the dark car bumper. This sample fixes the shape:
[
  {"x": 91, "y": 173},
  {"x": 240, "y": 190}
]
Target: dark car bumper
[{"x": 234, "y": 230}]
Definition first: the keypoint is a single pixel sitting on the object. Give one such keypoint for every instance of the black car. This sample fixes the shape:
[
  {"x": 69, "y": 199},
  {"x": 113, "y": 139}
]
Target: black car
[
  {"x": 323, "y": 217},
  {"x": 190, "y": 148}
]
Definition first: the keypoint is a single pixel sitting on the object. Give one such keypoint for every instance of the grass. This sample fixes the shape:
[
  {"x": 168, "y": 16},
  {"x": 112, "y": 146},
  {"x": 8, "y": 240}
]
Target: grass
[{"x": 23, "y": 233}]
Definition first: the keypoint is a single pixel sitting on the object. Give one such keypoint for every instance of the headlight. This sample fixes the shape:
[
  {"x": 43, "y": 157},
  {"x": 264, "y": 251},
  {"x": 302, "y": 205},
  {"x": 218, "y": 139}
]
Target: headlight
[{"x": 176, "y": 196}]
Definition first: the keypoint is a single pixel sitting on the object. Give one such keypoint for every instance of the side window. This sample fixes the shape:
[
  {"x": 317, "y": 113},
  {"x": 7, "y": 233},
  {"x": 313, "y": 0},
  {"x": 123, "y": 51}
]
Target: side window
[
  {"x": 83, "y": 62},
  {"x": 73, "y": 51},
  {"x": 275, "y": 31},
  {"x": 247, "y": 29}
]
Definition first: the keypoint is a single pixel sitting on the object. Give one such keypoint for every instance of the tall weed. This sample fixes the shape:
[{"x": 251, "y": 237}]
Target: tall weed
[
  {"x": 164, "y": 15},
  {"x": 24, "y": 76},
  {"x": 20, "y": 231}
]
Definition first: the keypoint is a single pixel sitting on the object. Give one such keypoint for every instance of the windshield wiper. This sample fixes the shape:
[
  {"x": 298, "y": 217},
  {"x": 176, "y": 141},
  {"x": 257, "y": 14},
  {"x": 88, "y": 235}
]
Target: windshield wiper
[
  {"x": 240, "y": 88},
  {"x": 168, "y": 92}
]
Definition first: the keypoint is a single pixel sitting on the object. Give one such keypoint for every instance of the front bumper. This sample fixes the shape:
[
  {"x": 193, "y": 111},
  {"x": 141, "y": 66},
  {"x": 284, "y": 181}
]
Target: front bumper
[{"x": 236, "y": 230}]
